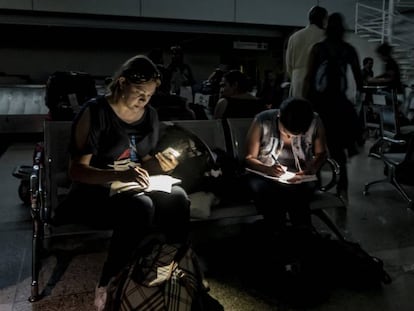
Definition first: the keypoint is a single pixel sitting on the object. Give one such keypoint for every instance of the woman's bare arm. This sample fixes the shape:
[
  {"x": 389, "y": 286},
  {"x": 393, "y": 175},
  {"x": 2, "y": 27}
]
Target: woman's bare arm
[{"x": 80, "y": 169}]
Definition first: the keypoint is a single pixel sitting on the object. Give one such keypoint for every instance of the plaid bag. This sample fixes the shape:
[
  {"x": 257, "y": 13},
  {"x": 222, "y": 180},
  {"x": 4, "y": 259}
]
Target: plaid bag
[{"x": 163, "y": 277}]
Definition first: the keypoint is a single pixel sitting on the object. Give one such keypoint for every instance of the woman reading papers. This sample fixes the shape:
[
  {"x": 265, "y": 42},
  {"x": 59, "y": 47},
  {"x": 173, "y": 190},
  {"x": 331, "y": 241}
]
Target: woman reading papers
[
  {"x": 289, "y": 141},
  {"x": 114, "y": 140}
]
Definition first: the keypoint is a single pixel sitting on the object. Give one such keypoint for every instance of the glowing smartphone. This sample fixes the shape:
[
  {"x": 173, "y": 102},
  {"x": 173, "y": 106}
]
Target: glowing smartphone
[{"x": 171, "y": 152}]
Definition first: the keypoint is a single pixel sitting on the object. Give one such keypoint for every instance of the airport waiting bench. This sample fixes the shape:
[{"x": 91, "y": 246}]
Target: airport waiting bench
[{"x": 49, "y": 182}]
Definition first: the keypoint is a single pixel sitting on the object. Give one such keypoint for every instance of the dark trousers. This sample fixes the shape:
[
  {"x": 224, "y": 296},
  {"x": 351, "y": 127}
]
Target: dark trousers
[
  {"x": 344, "y": 132},
  {"x": 136, "y": 215},
  {"x": 276, "y": 200}
]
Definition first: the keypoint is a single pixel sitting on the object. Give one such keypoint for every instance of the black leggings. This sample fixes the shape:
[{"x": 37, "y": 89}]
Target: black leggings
[{"x": 135, "y": 215}]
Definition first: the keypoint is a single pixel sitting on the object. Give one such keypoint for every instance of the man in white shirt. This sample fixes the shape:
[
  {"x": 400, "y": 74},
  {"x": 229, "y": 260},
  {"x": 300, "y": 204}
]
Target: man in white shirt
[{"x": 299, "y": 46}]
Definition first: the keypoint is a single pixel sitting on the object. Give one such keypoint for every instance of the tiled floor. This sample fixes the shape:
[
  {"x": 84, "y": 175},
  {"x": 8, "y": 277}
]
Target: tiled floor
[{"x": 380, "y": 222}]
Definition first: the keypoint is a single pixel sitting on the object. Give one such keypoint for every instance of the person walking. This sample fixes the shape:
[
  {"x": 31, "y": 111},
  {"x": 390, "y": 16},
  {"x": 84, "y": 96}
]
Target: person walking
[
  {"x": 326, "y": 87},
  {"x": 298, "y": 48},
  {"x": 391, "y": 77}
]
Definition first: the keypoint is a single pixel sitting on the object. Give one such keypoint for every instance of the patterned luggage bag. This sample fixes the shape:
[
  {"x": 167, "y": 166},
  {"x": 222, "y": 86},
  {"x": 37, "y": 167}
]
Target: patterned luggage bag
[{"x": 162, "y": 277}]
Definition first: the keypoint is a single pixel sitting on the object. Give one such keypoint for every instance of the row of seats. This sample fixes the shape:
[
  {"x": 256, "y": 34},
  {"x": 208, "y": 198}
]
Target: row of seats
[{"x": 49, "y": 180}]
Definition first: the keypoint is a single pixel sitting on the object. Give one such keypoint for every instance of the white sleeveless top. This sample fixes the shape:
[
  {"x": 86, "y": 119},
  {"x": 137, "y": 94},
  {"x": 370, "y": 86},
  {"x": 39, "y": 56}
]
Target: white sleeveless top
[{"x": 271, "y": 144}]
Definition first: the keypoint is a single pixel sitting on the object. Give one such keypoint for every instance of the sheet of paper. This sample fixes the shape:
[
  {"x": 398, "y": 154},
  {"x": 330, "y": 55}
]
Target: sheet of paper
[
  {"x": 156, "y": 183},
  {"x": 162, "y": 183},
  {"x": 285, "y": 177}
]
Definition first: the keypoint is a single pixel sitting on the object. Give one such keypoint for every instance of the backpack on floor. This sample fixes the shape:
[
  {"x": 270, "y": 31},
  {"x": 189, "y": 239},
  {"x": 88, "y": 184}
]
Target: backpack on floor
[
  {"x": 352, "y": 266},
  {"x": 299, "y": 268},
  {"x": 309, "y": 264},
  {"x": 162, "y": 276}
]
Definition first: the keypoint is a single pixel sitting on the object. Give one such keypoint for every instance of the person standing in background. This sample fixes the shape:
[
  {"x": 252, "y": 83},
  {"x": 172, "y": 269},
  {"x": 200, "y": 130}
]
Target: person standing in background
[
  {"x": 326, "y": 87},
  {"x": 367, "y": 74},
  {"x": 270, "y": 92},
  {"x": 366, "y": 71},
  {"x": 156, "y": 55},
  {"x": 298, "y": 48},
  {"x": 180, "y": 75}
]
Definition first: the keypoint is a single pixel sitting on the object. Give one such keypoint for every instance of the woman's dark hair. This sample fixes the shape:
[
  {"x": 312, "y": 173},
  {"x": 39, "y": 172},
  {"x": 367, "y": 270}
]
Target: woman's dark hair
[
  {"x": 138, "y": 69},
  {"x": 296, "y": 115},
  {"x": 335, "y": 29},
  {"x": 317, "y": 15},
  {"x": 236, "y": 76}
]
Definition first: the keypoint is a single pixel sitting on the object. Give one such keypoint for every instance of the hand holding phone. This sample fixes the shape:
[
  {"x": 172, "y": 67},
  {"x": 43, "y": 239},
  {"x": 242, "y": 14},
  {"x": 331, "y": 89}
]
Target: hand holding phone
[
  {"x": 171, "y": 152},
  {"x": 168, "y": 159}
]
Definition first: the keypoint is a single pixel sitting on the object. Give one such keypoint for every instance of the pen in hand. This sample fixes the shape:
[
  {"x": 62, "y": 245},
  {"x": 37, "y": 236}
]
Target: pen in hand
[
  {"x": 143, "y": 177},
  {"x": 275, "y": 159},
  {"x": 282, "y": 168}
]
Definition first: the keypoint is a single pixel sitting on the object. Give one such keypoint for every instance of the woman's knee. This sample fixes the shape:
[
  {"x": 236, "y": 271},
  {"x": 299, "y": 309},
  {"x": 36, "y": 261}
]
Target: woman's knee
[
  {"x": 179, "y": 195},
  {"x": 257, "y": 186},
  {"x": 138, "y": 208},
  {"x": 171, "y": 205}
]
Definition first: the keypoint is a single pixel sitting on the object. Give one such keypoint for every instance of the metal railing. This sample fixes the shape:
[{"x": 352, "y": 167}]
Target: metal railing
[
  {"x": 372, "y": 22},
  {"x": 382, "y": 20}
]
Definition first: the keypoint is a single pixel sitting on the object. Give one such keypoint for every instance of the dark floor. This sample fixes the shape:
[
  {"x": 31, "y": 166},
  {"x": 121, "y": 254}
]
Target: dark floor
[{"x": 380, "y": 222}]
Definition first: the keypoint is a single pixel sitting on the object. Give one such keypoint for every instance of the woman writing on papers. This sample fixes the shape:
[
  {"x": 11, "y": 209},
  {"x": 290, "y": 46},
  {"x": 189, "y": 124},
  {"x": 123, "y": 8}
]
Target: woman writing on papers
[
  {"x": 113, "y": 140},
  {"x": 289, "y": 141}
]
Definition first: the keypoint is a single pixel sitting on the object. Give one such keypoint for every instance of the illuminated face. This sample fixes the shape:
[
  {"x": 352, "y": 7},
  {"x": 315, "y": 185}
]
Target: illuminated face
[{"x": 138, "y": 95}]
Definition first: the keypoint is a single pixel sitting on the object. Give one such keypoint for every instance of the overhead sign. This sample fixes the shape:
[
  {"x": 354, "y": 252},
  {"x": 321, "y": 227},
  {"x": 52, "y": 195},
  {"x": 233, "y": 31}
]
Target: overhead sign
[{"x": 245, "y": 45}]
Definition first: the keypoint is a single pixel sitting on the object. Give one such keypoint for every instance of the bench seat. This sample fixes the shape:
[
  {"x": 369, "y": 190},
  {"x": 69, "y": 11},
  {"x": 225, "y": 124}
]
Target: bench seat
[{"x": 49, "y": 182}]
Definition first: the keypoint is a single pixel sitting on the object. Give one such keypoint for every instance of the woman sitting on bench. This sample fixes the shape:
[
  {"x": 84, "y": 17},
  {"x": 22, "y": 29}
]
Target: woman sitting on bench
[
  {"x": 113, "y": 142},
  {"x": 289, "y": 141}
]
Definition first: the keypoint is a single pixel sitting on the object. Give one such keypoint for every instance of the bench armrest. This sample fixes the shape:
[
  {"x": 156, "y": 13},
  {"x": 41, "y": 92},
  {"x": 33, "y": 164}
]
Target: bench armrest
[{"x": 330, "y": 168}]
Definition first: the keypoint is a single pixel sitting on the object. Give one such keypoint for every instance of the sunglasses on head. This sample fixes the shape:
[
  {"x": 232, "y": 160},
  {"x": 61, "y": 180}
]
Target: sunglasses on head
[{"x": 142, "y": 77}]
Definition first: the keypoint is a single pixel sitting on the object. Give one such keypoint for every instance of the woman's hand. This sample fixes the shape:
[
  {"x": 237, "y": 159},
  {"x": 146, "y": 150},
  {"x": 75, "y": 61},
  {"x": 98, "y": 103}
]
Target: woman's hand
[
  {"x": 275, "y": 170},
  {"x": 167, "y": 162},
  {"x": 135, "y": 174},
  {"x": 299, "y": 176}
]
